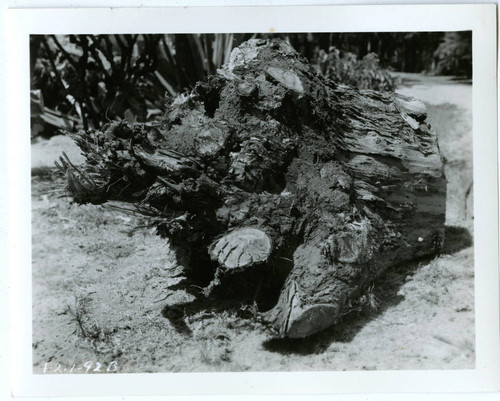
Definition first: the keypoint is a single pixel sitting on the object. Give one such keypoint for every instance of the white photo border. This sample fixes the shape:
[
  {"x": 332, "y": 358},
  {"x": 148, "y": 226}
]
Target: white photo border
[{"x": 481, "y": 19}]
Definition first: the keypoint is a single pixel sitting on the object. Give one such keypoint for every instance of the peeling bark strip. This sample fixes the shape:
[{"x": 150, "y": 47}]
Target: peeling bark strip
[{"x": 268, "y": 161}]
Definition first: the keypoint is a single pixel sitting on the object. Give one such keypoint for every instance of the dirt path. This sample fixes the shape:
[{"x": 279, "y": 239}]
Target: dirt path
[
  {"x": 449, "y": 107},
  {"x": 99, "y": 290}
]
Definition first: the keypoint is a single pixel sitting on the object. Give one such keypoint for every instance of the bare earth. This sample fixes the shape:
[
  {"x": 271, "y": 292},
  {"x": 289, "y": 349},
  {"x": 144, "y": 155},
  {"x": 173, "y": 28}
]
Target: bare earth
[{"x": 99, "y": 286}]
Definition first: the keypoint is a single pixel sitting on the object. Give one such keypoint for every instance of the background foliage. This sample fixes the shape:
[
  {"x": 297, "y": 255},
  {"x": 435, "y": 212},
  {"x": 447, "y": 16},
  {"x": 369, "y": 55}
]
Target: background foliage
[
  {"x": 84, "y": 81},
  {"x": 344, "y": 67},
  {"x": 454, "y": 54}
]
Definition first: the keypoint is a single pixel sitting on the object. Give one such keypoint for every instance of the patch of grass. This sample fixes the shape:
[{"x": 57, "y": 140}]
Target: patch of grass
[
  {"x": 369, "y": 300},
  {"x": 215, "y": 349},
  {"x": 77, "y": 312},
  {"x": 99, "y": 338}
]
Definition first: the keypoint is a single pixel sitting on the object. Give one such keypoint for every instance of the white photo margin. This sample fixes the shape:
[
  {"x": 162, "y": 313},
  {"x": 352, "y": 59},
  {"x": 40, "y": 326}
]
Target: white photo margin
[{"x": 481, "y": 19}]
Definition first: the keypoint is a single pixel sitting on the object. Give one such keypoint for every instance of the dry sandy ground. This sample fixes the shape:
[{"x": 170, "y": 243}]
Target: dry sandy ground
[{"x": 100, "y": 302}]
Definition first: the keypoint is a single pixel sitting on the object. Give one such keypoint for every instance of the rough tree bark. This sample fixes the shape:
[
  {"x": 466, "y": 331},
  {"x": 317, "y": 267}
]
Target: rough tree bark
[{"x": 268, "y": 161}]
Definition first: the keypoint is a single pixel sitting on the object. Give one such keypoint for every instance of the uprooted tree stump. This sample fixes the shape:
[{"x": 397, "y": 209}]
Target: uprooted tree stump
[{"x": 268, "y": 162}]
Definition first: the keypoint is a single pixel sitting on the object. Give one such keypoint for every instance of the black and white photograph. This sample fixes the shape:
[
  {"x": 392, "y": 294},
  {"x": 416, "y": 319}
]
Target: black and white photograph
[
  {"x": 252, "y": 202},
  {"x": 288, "y": 199}
]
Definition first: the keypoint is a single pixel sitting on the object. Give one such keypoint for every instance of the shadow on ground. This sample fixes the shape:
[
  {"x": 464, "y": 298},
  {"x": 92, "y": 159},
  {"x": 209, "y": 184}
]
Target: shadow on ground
[
  {"x": 385, "y": 292},
  {"x": 386, "y": 289}
]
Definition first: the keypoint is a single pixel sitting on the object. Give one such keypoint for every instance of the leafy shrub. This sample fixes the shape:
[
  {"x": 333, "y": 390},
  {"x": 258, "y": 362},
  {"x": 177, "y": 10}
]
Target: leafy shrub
[
  {"x": 344, "y": 67},
  {"x": 454, "y": 54},
  {"x": 84, "y": 81}
]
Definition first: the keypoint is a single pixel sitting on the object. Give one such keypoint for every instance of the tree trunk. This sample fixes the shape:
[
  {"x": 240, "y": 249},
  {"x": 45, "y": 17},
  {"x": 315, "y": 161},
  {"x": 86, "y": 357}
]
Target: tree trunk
[{"x": 268, "y": 161}]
